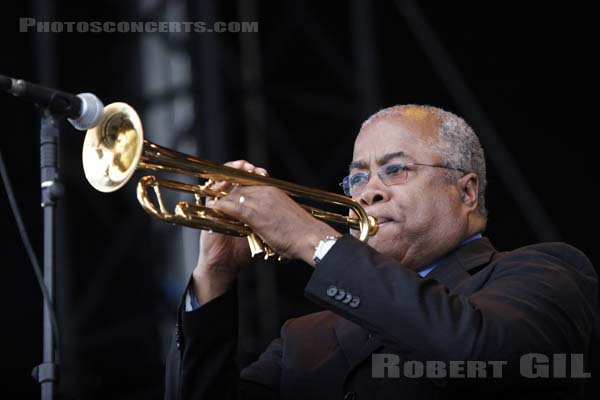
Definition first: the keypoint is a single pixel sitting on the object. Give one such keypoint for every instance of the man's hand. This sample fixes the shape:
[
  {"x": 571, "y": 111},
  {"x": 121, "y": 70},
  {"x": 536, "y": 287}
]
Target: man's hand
[
  {"x": 285, "y": 226},
  {"x": 221, "y": 257}
]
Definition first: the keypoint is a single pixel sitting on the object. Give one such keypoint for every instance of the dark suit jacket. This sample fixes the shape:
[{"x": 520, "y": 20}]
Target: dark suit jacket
[{"x": 477, "y": 304}]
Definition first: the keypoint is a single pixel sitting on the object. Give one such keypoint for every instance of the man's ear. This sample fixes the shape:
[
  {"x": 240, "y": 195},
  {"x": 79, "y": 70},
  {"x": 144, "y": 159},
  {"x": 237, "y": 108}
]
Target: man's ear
[{"x": 469, "y": 188}]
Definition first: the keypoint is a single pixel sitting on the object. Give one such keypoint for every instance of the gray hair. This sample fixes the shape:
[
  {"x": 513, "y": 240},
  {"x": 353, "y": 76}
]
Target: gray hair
[{"x": 457, "y": 144}]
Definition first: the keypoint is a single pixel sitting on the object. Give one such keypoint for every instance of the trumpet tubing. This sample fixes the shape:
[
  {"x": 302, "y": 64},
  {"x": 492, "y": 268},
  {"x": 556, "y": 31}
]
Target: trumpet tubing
[{"x": 116, "y": 148}]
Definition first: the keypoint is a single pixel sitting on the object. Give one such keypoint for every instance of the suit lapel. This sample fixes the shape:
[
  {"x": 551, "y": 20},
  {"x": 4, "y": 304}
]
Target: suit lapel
[
  {"x": 355, "y": 341},
  {"x": 463, "y": 262}
]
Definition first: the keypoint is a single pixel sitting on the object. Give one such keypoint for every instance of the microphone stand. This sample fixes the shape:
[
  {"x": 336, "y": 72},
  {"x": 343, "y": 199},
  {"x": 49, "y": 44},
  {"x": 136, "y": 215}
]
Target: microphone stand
[
  {"x": 84, "y": 110},
  {"x": 51, "y": 190}
]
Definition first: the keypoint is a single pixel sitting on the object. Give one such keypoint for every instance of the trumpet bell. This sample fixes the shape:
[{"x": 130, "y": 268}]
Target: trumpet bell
[{"x": 112, "y": 150}]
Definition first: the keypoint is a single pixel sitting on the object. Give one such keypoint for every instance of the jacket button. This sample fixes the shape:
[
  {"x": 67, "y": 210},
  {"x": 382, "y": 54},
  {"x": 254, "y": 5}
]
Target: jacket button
[
  {"x": 350, "y": 396},
  {"x": 340, "y": 294},
  {"x": 347, "y": 299},
  {"x": 355, "y": 302},
  {"x": 177, "y": 337},
  {"x": 331, "y": 291}
]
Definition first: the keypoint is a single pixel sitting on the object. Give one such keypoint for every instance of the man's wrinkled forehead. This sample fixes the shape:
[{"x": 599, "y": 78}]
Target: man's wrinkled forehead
[{"x": 393, "y": 156}]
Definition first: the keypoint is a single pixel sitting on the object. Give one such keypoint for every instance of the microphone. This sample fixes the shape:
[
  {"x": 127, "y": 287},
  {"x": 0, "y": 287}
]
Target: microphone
[{"x": 84, "y": 110}]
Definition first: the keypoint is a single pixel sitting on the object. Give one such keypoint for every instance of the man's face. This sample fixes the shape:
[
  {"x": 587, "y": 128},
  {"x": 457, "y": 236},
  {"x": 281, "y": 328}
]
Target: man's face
[{"x": 423, "y": 218}]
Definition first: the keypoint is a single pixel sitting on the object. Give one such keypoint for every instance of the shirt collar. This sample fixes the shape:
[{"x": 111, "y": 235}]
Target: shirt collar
[{"x": 434, "y": 264}]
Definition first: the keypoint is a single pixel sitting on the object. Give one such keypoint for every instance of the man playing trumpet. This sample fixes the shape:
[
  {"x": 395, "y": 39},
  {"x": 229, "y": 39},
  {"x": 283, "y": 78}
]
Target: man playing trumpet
[{"x": 427, "y": 288}]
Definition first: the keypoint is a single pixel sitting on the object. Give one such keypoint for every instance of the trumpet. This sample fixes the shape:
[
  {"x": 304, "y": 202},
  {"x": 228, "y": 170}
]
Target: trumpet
[{"x": 116, "y": 148}]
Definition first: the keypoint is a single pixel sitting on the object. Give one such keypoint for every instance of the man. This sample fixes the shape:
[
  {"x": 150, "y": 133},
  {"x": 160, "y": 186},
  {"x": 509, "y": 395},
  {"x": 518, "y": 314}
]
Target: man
[{"x": 408, "y": 312}]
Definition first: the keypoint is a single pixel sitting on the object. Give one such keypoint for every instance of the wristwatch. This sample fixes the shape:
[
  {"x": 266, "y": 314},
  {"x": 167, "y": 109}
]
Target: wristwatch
[{"x": 323, "y": 247}]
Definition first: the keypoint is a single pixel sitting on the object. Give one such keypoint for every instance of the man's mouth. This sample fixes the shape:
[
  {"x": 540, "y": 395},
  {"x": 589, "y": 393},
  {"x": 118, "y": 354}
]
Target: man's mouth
[{"x": 382, "y": 220}]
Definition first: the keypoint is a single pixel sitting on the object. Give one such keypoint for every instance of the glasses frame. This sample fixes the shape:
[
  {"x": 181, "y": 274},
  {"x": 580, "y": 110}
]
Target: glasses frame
[{"x": 345, "y": 183}]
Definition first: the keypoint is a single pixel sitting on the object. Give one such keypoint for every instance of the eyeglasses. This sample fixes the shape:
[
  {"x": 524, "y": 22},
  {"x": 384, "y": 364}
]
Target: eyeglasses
[{"x": 389, "y": 174}]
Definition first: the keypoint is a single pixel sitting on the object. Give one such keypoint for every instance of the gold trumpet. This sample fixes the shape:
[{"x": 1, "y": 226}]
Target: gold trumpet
[{"x": 115, "y": 148}]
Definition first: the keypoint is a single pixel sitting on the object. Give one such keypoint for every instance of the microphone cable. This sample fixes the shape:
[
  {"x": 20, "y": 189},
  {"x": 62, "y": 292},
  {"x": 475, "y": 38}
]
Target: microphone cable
[{"x": 31, "y": 253}]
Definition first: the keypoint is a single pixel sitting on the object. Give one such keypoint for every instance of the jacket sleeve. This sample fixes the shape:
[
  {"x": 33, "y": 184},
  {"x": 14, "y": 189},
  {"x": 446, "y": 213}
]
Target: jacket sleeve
[
  {"x": 202, "y": 362},
  {"x": 533, "y": 301}
]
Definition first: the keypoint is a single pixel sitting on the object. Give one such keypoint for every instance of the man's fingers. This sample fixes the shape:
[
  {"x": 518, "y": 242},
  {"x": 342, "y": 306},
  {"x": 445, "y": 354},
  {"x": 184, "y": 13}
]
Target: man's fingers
[
  {"x": 222, "y": 186},
  {"x": 247, "y": 166},
  {"x": 261, "y": 171},
  {"x": 235, "y": 164},
  {"x": 241, "y": 164},
  {"x": 231, "y": 204},
  {"x": 241, "y": 203},
  {"x": 225, "y": 186}
]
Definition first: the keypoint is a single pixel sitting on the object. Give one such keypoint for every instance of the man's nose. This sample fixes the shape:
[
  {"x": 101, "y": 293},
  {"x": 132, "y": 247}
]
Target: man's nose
[{"x": 375, "y": 191}]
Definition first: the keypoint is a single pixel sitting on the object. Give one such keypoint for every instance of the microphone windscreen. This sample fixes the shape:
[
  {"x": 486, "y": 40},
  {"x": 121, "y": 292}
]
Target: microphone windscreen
[{"x": 92, "y": 111}]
